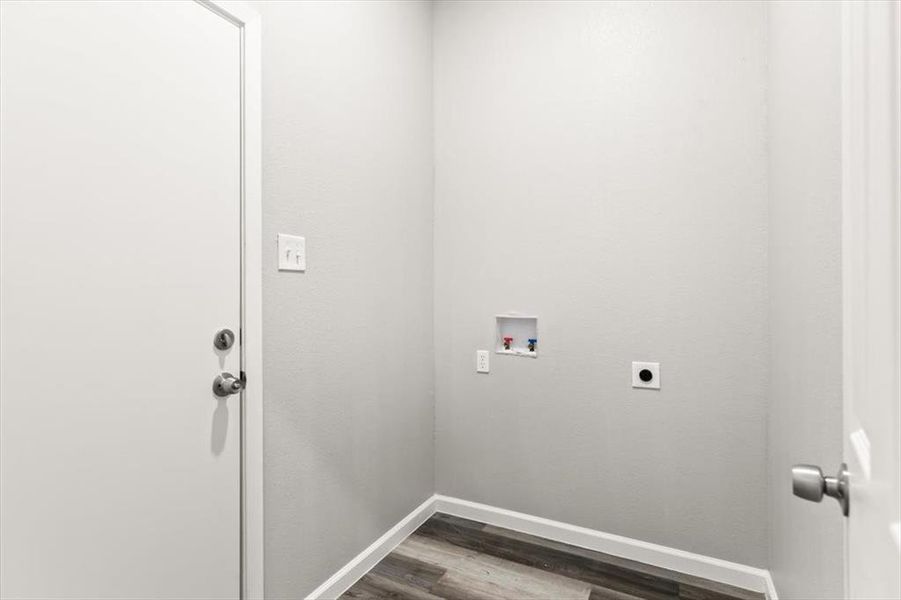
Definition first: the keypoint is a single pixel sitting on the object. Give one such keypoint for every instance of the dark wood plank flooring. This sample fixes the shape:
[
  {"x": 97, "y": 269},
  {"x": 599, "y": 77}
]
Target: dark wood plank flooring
[{"x": 457, "y": 559}]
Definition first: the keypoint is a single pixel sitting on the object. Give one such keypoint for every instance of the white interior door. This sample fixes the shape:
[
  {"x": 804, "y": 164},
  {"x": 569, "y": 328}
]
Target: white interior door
[
  {"x": 872, "y": 300},
  {"x": 120, "y": 212}
]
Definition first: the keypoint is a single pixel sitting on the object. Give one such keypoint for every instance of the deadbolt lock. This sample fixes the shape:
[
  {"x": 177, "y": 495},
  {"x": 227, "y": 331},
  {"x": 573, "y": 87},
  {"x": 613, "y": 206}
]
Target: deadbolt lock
[{"x": 225, "y": 339}]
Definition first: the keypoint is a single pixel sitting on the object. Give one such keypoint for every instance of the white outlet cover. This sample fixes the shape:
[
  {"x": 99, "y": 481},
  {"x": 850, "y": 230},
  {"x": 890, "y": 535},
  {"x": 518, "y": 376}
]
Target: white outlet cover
[
  {"x": 482, "y": 365},
  {"x": 654, "y": 368},
  {"x": 292, "y": 253}
]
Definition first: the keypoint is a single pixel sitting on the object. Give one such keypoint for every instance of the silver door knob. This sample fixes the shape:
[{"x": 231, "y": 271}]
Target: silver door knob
[
  {"x": 809, "y": 483},
  {"x": 227, "y": 384}
]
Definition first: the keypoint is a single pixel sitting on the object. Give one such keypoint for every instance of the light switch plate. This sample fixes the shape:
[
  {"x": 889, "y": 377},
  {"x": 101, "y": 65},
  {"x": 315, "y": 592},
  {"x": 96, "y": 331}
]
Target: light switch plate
[
  {"x": 482, "y": 361},
  {"x": 292, "y": 253},
  {"x": 651, "y": 384}
]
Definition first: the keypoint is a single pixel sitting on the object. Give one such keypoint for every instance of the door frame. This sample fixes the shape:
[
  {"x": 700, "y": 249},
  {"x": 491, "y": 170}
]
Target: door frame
[{"x": 247, "y": 19}]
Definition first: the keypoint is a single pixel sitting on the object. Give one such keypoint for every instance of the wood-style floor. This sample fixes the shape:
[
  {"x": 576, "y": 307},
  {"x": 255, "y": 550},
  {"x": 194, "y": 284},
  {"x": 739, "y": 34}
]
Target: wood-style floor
[{"x": 457, "y": 559}]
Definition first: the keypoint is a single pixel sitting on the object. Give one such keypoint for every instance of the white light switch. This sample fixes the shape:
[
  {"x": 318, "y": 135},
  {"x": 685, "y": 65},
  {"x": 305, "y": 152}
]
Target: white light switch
[
  {"x": 481, "y": 361},
  {"x": 292, "y": 253},
  {"x": 646, "y": 375}
]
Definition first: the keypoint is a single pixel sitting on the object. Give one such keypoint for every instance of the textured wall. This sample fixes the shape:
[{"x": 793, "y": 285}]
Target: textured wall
[
  {"x": 347, "y": 143},
  {"x": 805, "y": 291},
  {"x": 603, "y": 165}
]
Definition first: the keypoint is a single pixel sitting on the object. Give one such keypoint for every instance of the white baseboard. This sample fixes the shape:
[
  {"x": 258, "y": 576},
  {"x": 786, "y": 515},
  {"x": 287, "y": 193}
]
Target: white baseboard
[
  {"x": 771, "y": 587},
  {"x": 348, "y": 575},
  {"x": 715, "y": 569},
  {"x": 743, "y": 576}
]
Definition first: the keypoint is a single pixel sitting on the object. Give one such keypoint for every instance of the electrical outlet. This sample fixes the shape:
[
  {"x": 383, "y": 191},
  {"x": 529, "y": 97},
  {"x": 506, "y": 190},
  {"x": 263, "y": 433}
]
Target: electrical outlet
[
  {"x": 482, "y": 361},
  {"x": 646, "y": 375}
]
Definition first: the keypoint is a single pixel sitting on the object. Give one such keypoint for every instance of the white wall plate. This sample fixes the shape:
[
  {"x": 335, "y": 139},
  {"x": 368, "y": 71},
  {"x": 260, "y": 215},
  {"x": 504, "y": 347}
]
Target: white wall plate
[
  {"x": 482, "y": 365},
  {"x": 292, "y": 253},
  {"x": 646, "y": 375}
]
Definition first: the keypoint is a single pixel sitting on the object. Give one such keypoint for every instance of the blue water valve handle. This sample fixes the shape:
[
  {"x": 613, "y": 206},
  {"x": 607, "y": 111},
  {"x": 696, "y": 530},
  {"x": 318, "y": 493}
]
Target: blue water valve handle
[{"x": 532, "y": 342}]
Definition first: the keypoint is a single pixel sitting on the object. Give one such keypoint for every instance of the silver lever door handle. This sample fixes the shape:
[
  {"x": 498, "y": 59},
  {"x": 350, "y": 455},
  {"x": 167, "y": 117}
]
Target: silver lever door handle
[
  {"x": 227, "y": 384},
  {"x": 809, "y": 483}
]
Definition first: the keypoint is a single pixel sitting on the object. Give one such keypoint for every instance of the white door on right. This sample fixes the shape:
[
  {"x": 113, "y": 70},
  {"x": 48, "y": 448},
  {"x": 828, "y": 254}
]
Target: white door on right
[{"x": 872, "y": 300}]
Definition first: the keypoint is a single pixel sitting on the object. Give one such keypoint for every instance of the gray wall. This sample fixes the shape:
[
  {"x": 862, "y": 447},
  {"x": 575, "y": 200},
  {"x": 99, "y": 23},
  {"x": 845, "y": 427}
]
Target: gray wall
[
  {"x": 805, "y": 422},
  {"x": 347, "y": 143},
  {"x": 603, "y": 165}
]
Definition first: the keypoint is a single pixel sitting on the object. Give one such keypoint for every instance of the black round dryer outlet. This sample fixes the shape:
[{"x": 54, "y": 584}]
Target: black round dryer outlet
[{"x": 645, "y": 375}]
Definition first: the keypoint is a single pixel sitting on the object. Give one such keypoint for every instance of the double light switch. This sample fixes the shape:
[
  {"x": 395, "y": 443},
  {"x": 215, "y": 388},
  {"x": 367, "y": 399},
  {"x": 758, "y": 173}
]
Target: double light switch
[{"x": 292, "y": 253}]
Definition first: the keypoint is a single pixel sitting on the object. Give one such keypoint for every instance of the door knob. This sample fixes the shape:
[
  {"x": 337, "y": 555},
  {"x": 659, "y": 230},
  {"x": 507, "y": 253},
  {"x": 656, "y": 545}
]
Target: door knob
[
  {"x": 809, "y": 483},
  {"x": 227, "y": 384}
]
